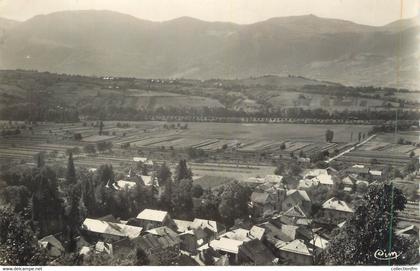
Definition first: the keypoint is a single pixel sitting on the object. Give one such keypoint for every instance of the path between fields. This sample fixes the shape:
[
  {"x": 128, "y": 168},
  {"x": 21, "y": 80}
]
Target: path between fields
[{"x": 351, "y": 149}]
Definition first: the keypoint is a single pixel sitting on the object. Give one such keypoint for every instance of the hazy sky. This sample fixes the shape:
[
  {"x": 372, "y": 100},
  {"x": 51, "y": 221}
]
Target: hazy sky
[{"x": 371, "y": 12}]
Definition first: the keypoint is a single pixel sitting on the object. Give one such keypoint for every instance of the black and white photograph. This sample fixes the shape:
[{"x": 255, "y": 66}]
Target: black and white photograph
[{"x": 221, "y": 133}]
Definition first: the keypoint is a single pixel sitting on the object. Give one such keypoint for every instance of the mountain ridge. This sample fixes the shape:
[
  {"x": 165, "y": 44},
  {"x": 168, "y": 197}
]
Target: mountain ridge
[{"x": 111, "y": 43}]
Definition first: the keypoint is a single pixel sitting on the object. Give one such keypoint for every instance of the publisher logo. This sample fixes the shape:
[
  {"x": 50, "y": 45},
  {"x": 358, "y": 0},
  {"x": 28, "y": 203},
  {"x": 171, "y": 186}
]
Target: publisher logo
[{"x": 384, "y": 256}]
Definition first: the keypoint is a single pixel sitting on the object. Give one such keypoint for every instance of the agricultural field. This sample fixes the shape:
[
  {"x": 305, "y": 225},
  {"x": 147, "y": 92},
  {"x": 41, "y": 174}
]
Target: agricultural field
[
  {"x": 153, "y": 136},
  {"x": 385, "y": 150}
]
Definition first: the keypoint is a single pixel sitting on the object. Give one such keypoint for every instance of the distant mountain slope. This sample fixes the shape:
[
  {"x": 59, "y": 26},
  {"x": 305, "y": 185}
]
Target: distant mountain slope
[
  {"x": 110, "y": 43},
  {"x": 6, "y": 24}
]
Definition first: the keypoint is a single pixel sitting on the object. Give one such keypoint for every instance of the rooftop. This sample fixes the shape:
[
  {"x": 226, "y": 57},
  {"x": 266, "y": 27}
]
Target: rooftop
[
  {"x": 338, "y": 205},
  {"x": 117, "y": 229},
  {"x": 152, "y": 215},
  {"x": 206, "y": 224},
  {"x": 296, "y": 246}
]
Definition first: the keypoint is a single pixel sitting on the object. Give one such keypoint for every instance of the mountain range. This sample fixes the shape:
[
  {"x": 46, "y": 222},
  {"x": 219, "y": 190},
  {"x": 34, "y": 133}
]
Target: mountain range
[{"x": 103, "y": 43}]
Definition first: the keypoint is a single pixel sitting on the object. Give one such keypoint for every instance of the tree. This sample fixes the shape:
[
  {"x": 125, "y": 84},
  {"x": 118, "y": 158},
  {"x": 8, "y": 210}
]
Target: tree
[
  {"x": 197, "y": 191},
  {"x": 164, "y": 175},
  {"x": 71, "y": 171},
  {"x": 182, "y": 199},
  {"x": 40, "y": 159},
  {"x": 234, "y": 202},
  {"x": 182, "y": 171},
  {"x": 372, "y": 228},
  {"x": 105, "y": 175},
  {"x": 75, "y": 213},
  {"x": 101, "y": 127},
  {"x": 46, "y": 203},
  {"x": 280, "y": 169},
  {"x": 208, "y": 207},
  {"x": 282, "y": 146},
  {"x": 18, "y": 244},
  {"x": 18, "y": 196},
  {"x": 77, "y": 136},
  {"x": 329, "y": 135},
  {"x": 412, "y": 154}
]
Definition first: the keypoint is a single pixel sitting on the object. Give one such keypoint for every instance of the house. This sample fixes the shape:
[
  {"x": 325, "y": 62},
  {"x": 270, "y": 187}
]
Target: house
[
  {"x": 109, "y": 231},
  {"x": 154, "y": 244},
  {"x": 296, "y": 253},
  {"x": 52, "y": 245},
  {"x": 224, "y": 246},
  {"x": 245, "y": 235},
  {"x": 256, "y": 253},
  {"x": 294, "y": 216},
  {"x": 359, "y": 171},
  {"x": 182, "y": 225},
  {"x": 188, "y": 241},
  {"x": 314, "y": 173},
  {"x": 273, "y": 179},
  {"x": 257, "y": 232},
  {"x": 296, "y": 197},
  {"x": 102, "y": 247},
  {"x": 348, "y": 189},
  {"x": 149, "y": 219},
  {"x": 316, "y": 177},
  {"x": 375, "y": 174},
  {"x": 149, "y": 180},
  {"x": 144, "y": 161},
  {"x": 263, "y": 203},
  {"x": 306, "y": 184},
  {"x": 121, "y": 185},
  {"x": 347, "y": 181},
  {"x": 254, "y": 181},
  {"x": 319, "y": 241},
  {"x": 238, "y": 234},
  {"x": 335, "y": 211},
  {"x": 207, "y": 229},
  {"x": 324, "y": 180}
]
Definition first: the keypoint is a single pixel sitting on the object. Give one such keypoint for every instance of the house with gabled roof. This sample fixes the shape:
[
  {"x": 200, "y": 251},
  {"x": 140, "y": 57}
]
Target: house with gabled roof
[
  {"x": 182, "y": 225},
  {"x": 209, "y": 229},
  {"x": 335, "y": 211},
  {"x": 224, "y": 246},
  {"x": 296, "y": 197},
  {"x": 109, "y": 231},
  {"x": 275, "y": 179},
  {"x": 150, "y": 218},
  {"x": 263, "y": 203},
  {"x": 296, "y": 253}
]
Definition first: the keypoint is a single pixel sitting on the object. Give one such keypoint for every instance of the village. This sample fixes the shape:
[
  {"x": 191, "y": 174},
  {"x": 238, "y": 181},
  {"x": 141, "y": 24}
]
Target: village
[{"x": 282, "y": 227}]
